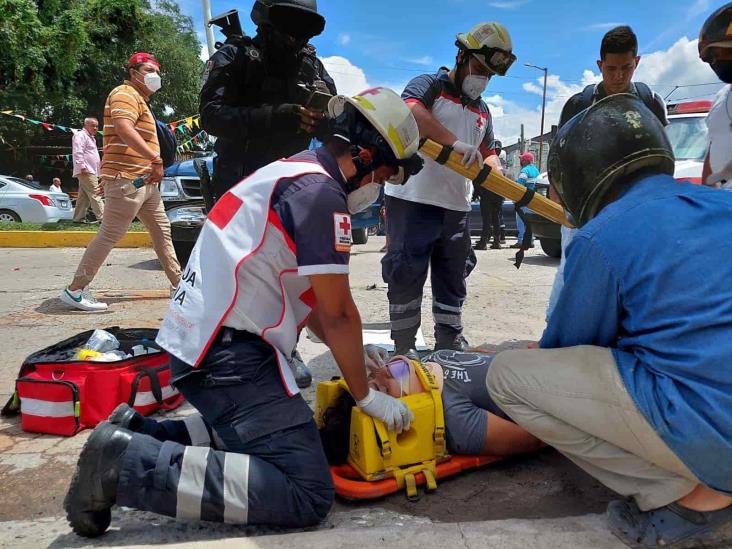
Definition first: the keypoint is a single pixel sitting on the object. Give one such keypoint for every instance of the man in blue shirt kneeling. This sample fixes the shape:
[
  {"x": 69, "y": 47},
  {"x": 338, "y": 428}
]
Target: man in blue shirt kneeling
[{"x": 632, "y": 380}]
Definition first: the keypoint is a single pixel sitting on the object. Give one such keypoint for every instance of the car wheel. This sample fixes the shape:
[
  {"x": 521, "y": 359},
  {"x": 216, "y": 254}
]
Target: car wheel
[
  {"x": 551, "y": 247},
  {"x": 9, "y": 216},
  {"x": 183, "y": 249},
  {"x": 360, "y": 236}
]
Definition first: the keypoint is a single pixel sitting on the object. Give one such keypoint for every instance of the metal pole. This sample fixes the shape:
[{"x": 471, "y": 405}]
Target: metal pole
[
  {"x": 207, "y": 26},
  {"x": 543, "y": 107}
]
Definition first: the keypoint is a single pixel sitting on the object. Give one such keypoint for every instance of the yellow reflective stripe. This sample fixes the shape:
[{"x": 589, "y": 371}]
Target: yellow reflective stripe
[
  {"x": 396, "y": 140},
  {"x": 729, "y": 30},
  {"x": 472, "y": 41},
  {"x": 365, "y": 103}
]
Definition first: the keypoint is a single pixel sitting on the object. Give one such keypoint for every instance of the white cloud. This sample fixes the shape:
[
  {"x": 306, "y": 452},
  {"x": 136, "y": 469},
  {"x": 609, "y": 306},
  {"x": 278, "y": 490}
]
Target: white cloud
[
  {"x": 425, "y": 60},
  {"x": 204, "y": 52},
  {"x": 508, "y": 4},
  {"x": 349, "y": 78},
  {"x": 601, "y": 26},
  {"x": 343, "y": 39},
  {"x": 662, "y": 70}
]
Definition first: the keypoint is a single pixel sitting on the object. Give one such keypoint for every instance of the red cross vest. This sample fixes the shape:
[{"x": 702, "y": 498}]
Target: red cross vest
[{"x": 243, "y": 274}]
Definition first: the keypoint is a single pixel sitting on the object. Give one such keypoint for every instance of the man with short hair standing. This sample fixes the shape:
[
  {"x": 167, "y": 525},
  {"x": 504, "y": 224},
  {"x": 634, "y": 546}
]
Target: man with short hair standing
[
  {"x": 86, "y": 170},
  {"x": 618, "y": 61},
  {"x": 131, "y": 171},
  {"x": 55, "y": 185},
  {"x": 527, "y": 177}
]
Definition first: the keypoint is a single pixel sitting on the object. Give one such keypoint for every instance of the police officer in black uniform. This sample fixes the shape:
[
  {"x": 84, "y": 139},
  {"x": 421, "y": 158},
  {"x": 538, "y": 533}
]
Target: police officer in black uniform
[
  {"x": 255, "y": 94},
  {"x": 263, "y": 97},
  {"x": 491, "y": 212}
]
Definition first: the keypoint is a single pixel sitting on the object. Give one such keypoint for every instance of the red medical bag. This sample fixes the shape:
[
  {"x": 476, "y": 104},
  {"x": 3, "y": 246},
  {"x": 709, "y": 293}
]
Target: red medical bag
[{"x": 58, "y": 394}]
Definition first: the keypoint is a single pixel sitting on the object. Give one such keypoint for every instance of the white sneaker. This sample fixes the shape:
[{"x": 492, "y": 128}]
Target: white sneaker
[{"x": 82, "y": 299}]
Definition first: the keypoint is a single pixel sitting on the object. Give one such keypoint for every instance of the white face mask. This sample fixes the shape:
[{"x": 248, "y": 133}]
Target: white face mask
[
  {"x": 364, "y": 196},
  {"x": 152, "y": 81},
  {"x": 474, "y": 85}
]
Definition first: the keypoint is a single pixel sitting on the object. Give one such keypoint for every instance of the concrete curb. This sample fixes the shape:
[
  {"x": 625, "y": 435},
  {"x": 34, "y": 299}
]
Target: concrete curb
[{"x": 66, "y": 239}]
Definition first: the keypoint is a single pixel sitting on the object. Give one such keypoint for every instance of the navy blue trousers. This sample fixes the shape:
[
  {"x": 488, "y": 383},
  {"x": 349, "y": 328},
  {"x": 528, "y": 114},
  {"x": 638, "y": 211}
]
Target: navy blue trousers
[
  {"x": 422, "y": 238},
  {"x": 273, "y": 470}
]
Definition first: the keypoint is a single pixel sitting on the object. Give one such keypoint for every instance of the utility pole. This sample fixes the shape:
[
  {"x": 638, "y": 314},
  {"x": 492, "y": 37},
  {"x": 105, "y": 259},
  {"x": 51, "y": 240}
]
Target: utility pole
[
  {"x": 543, "y": 108},
  {"x": 207, "y": 26}
]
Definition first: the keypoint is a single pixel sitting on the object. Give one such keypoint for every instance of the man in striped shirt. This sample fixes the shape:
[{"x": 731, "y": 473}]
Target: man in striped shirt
[{"x": 130, "y": 173}]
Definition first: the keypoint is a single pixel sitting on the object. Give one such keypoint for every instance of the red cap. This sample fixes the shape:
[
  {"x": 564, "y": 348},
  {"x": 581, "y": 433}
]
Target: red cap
[
  {"x": 527, "y": 157},
  {"x": 142, "y": 57}
]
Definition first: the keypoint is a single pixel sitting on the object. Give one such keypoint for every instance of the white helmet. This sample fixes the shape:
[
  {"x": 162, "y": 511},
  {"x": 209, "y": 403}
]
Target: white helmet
[
  {"x": 490, "y": 44},
  {"x": 387, "y": 113}
]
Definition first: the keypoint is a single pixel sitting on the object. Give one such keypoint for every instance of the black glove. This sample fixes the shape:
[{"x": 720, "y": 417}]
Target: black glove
[{"x": 286, "y": 117}]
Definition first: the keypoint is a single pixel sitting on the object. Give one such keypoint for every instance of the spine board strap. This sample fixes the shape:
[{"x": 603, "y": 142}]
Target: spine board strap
[
  {"x": 483, "y": 174},
  {"x": 444, "y": 155}
]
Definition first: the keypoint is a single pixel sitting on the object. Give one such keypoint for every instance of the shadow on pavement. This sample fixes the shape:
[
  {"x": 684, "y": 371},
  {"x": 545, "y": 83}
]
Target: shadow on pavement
[
  {"x": 147, "y": 265},
  {"x": 540, "y": 260}
]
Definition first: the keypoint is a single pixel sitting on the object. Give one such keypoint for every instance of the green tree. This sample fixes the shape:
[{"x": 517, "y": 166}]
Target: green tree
[{"x": 60, "y": 59}]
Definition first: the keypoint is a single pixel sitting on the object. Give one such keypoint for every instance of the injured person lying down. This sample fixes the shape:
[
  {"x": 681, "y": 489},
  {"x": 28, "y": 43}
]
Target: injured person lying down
[{"x": 474, "y": 425}]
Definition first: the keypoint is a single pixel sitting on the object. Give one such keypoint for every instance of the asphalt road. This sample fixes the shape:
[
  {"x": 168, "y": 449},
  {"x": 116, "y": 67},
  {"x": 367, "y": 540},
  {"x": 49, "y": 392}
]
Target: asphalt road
[{"x": 540, "y": 501}]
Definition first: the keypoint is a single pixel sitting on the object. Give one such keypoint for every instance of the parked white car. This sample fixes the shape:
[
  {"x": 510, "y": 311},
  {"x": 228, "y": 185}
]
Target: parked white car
[
  {"x": 687, "y": 132},
  {"x": 26, "y": 201}
]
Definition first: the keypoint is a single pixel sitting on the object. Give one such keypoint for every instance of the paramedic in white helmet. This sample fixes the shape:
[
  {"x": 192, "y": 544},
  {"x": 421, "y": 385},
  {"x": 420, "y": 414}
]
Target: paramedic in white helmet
[
  {"x": 271, "y": 259},
  {"x": 428, "y": 219}
]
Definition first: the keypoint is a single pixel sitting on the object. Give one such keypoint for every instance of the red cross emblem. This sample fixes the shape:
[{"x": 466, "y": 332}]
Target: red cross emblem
[{"x": 342, "y": 230}]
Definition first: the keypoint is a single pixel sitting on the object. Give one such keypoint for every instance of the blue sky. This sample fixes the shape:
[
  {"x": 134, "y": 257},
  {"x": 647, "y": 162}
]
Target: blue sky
[{"x": 387, "y": 43}]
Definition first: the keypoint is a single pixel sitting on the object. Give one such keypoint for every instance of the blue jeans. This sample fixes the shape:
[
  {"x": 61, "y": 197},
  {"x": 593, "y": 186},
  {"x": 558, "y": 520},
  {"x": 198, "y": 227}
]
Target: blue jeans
[{"x": 521, "y": 226}]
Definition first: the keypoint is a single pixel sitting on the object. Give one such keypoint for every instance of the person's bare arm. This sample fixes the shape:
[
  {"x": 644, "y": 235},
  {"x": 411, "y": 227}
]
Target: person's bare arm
[
  {"x": 337, "y": 322},
  {"x": 706, "y": 169},
  {"x": 430, "y": 127}
]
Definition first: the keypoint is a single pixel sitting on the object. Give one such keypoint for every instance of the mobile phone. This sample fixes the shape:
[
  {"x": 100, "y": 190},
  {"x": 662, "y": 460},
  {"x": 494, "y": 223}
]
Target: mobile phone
[
  {"x": 139, "y": 182},
  {"x": 318, "y": 101}
]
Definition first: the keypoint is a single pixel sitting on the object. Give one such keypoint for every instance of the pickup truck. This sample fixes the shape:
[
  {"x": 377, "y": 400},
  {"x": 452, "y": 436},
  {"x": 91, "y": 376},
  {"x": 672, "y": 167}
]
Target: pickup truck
[{"x": 181, "y": 193}]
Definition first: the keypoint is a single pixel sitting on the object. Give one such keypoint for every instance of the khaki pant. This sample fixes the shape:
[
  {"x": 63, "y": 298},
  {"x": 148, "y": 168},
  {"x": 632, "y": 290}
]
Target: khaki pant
[
  {"x": 124, "y": 203},
  {"x": 87, "y": 197},
  {"x": 574, "y": 399}
]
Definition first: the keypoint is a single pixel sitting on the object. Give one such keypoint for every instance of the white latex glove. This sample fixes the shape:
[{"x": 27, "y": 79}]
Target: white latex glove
[
  {"x": 375, "y": 356},
  {"x": 388, "y": 409},
  {"x": 470, "y": 153}
]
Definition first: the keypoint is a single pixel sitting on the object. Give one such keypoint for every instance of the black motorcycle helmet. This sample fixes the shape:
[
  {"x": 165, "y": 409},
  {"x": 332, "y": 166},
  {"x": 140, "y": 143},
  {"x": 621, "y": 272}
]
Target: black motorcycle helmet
[
  {"x": 297, "y": 18},
  {"x": 716, "y": 31},
  {"x": 598, "y": 149}
]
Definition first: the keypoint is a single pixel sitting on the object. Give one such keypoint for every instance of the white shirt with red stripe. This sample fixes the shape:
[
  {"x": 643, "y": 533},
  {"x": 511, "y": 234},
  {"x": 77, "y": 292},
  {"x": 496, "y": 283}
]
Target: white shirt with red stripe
[
  {"x": 435, "y": 184},
  {"x": 243, "y": 273}
]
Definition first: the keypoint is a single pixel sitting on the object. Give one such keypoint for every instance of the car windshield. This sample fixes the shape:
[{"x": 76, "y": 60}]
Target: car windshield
[{"x": 688, "y": 136}]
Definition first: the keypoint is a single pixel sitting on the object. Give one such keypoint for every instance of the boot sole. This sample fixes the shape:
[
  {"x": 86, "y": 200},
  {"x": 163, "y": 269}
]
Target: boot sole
[{"x": 88, "y": 523}]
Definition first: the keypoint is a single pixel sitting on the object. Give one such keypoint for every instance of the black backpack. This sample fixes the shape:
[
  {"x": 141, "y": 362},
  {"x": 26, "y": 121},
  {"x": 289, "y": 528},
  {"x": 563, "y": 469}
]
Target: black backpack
[
  {"x": 644, "y": 92},
  {"x": 168, "y": 145}
]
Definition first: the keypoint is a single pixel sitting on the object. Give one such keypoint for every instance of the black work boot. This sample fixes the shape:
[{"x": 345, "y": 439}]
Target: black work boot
[
  {"x": 457, "y": 343},
  {"x": 127, "y": 417},
  {"x": 404, "y": 346},
  {"x": 481, "y": 245},
  {"x": 496, "y": 245},
  {"x": 303, "y": 377},
  {"x": 93, "y": 489}
]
